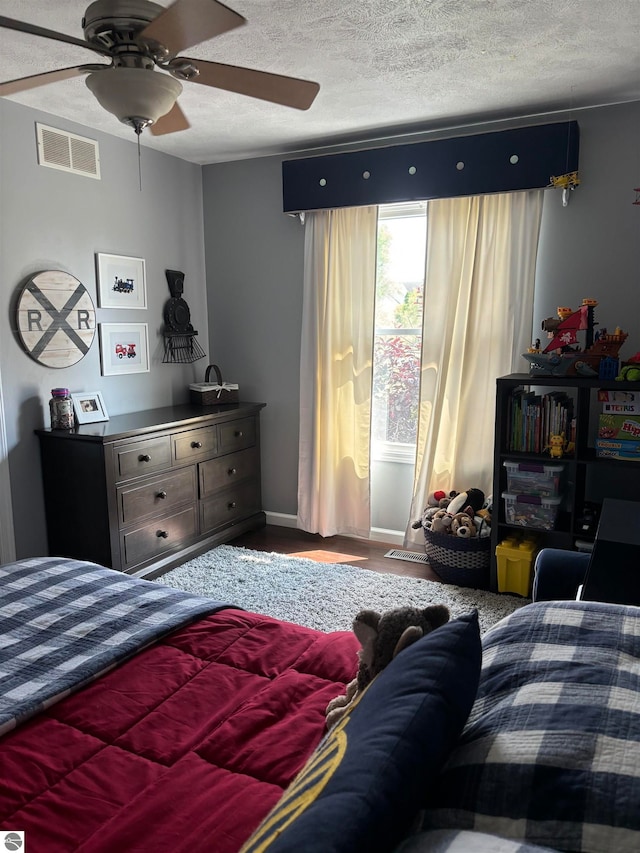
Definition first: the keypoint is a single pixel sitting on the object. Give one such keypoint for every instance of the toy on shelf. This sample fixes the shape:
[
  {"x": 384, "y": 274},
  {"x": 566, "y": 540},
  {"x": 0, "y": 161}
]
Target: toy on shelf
[
  {"x": 609, "y": 367},
  {"x": 629, "y": 373},
  {"x": 564, "y": 355},
  {"x": 555, "y": 446},
  {"x": 558, "y": 446}
]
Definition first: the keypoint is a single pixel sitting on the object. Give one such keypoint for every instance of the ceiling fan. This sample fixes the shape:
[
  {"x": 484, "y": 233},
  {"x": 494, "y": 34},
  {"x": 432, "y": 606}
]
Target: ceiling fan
[{"x": 139, "y": 36}]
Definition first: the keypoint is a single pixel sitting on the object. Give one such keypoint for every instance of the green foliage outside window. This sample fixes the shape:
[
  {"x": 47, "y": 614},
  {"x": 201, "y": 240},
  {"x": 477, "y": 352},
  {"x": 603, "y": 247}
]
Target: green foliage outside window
[{"x": 396, "y": 382}]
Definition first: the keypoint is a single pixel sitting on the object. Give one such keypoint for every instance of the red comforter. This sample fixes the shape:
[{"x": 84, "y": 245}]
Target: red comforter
[{"x": 185, "y": 747}]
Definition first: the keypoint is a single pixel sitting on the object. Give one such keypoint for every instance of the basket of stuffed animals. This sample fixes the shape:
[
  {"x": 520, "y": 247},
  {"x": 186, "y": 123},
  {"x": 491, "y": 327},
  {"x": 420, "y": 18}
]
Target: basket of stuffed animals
[
  {"x": 457, "y": 560},
  {"x": 457, "y": 537}
]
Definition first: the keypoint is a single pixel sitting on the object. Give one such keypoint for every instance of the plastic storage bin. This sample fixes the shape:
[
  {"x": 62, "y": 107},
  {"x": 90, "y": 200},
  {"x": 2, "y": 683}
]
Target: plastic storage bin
[
  {"x": 514, "y": 557},
  {"x": 534, "y": 478},
  {"x": 531, "y": 510}
]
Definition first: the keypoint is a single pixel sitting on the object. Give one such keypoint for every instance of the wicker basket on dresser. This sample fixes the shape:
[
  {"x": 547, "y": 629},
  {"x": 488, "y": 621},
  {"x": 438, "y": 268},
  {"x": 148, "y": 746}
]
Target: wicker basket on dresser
[{"x": 143, "y": 492}]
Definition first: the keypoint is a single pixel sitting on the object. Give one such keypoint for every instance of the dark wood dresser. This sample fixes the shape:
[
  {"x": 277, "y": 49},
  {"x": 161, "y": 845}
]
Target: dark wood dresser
[{"x": 143, "y": 492}]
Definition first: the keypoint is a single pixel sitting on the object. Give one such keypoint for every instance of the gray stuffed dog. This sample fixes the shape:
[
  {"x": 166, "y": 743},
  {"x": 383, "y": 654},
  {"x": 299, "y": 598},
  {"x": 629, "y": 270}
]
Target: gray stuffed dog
[{"x": 382, "y": 638}]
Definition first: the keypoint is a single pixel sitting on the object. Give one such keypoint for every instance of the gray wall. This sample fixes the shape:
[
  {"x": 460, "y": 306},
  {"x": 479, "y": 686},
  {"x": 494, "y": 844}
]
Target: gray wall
[
  {"x": 254, "y": 283},
  {"x": 591, "y": 248},
  {"x": 254, "y": 260},
  {"x": 255, "y": 256},
  {"x": 56, "y": 220}
]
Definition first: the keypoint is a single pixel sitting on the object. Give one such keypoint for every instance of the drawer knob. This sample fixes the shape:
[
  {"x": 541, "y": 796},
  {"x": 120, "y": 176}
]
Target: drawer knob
[
  {"x": 231, "y": 472},
  {"x": 162, "y": 494},
  {"x": 238, "y": 433},
  {"x": 144, "y": 457},
  {"x": 231, "y": 505},
  {"x": 162, "y": 534},
  {"x": 196, "y": 444}
]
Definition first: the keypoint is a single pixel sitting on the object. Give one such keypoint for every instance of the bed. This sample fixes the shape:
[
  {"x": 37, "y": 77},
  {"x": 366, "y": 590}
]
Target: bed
[{"x": 136, "y": 717}]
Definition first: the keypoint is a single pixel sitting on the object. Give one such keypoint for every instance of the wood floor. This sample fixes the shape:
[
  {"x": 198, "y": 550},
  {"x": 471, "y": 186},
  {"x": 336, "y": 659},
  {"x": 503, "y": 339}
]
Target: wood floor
[{"x": 362, "y": 553}]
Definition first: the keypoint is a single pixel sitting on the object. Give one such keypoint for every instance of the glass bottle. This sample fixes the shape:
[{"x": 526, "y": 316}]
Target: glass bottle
[{"x": 61, "y": 409}]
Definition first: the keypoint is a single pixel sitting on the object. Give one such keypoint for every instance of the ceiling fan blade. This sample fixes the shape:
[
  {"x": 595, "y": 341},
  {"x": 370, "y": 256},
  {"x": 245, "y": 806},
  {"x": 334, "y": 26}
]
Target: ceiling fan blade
[
  {"x": 288, "y": 91},
  {"x": 173, "y": 121},
  {"x": 22, "y": 84},
  {"x": 188, "y": 22},
  {"x": 33, "y": 30}
]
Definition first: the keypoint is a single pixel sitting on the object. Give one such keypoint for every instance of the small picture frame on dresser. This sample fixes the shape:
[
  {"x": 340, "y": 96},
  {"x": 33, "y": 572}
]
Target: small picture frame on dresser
[{"x": 89, "y": 407}]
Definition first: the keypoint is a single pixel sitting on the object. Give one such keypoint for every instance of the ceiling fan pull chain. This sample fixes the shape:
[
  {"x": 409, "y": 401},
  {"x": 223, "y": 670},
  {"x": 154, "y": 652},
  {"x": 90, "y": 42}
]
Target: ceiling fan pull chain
[{"x": 139, "y": 160}]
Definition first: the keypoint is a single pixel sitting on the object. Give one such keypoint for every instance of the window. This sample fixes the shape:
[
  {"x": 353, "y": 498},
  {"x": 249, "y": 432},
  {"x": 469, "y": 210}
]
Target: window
[{"x": 402, "y": 237}]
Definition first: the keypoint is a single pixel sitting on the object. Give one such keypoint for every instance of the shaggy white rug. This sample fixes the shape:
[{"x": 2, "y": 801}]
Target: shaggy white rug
[{"x": 325, "y": 596}]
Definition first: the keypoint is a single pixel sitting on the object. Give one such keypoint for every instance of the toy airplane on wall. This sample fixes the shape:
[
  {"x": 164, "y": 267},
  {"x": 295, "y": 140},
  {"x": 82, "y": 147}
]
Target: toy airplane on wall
[
  {"x": 566, "y": 182},
  {"x": 560, "y": 357}
]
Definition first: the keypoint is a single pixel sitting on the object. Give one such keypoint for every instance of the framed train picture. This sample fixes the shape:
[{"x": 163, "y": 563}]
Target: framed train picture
[{"x": 121, "y": 281}]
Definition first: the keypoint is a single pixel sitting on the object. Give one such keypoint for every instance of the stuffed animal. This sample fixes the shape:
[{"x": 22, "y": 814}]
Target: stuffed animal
[
  {"x": 435, "y": 498},
  {"x": 436, "y": 502},
  {"x": 482, "y": 521},
  {"x": 463, "y": 525},
  {"x": 556, "y": 446},
  {"x": 470, "y": 502},
  {"x": 630, "y": 372},
  {"x": 441, "y": 522},
  {"x": 438, "y": 518},
  {"x": 382, "y": 638}
]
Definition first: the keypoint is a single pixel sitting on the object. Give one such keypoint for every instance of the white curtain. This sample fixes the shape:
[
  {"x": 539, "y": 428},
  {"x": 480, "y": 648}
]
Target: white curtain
[
  {"x": 336, "y": 371},
  {"x": 479, "y": 285}
]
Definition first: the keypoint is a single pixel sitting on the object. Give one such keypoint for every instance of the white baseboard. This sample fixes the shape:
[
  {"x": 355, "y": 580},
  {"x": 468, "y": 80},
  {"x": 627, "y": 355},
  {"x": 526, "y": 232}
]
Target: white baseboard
[
  {"x": 381, "y": 534},
  {"x": 377, "y": 534},
  {"x": 281, "y": 519}
]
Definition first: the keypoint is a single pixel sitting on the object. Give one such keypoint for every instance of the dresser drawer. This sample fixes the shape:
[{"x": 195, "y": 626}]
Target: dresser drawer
[
  {"x": 138, "y": 486},
  {"x": 236, "y": 435},
  {"x": 227, "y": 506},
  {"x": 225, "y": 471},
  {"x": 194, "y": 443},
  {"x": 159, "y": 535},
  {"x": 142, "y": 457},
  {"x": 157, "y": 494}
]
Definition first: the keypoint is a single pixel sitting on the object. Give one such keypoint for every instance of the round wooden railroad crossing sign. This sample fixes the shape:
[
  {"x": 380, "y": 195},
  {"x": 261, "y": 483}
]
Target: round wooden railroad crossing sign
[{"x": 56, "y": 318}]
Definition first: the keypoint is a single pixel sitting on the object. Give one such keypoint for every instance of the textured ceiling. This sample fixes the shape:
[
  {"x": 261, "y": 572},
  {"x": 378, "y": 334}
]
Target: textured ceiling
[{"x": 384, "y": 67}]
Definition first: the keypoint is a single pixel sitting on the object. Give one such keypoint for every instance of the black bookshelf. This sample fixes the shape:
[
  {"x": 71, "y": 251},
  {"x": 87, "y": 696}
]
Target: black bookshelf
[{"x": 588, "y": 479}]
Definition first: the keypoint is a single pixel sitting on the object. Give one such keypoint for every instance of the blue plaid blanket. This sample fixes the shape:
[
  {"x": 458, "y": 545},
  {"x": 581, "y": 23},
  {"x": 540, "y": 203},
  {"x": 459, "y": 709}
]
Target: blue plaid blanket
[
  {"x": 550, "y": 754},
  {"x": 64, "y": 622}
]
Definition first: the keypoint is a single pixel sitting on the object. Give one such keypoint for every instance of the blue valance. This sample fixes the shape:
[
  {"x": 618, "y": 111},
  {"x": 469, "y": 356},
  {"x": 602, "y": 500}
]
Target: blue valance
[{"x": 502, "y": 161}]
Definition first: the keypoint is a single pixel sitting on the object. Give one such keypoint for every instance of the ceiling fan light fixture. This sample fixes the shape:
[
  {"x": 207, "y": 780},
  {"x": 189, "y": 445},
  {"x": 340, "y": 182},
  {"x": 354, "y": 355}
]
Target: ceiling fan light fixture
[{"x": 136, "y": 96}]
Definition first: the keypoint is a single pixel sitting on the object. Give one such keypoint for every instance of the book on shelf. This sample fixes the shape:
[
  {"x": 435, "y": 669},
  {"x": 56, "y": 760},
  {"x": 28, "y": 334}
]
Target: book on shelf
[{"x": 533, "y": 418}]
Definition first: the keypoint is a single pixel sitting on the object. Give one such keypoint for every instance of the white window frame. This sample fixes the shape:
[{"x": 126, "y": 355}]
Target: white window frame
[{"x": 394, "y": 451}]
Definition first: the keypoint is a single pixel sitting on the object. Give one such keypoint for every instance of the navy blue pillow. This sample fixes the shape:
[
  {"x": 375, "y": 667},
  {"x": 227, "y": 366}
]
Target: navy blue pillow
[{"x": 363, "y": 785}]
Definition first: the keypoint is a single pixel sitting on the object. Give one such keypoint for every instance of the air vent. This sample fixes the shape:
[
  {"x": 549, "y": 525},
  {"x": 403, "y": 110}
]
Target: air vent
[
  {"x": 409, "y": 556},
  {"x": 68, "y": 152}
]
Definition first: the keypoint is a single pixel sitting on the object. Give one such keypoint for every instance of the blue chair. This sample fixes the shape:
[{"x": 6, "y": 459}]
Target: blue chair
[{"x": 557, "y": 574}]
